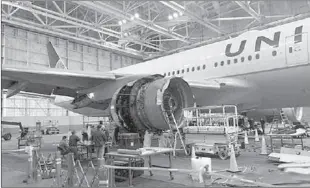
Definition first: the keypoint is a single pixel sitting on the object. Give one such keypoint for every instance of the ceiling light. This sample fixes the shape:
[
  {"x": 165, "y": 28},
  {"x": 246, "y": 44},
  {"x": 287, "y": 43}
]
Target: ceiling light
[
  {"x": 175, "y": 15},
  {"x": 124, "y": 21},
  {"x": 181, "y": 13},
  {"x": 125, "y": 34},
  {"x": 170, "y": 17},
  {"x": 132, "y": 18},
  {"x": 137, "y": 15},
  {"x": 120, "y": 22}
]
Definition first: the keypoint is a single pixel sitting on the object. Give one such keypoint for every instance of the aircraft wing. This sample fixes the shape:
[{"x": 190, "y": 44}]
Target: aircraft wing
[{"x": 47, "y": 81}]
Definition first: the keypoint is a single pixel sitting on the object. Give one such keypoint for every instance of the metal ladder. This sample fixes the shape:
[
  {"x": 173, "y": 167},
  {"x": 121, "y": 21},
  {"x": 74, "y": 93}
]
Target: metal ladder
[
  {"x": 172, "y": 122},
  {"x": 284, "y": 118}
]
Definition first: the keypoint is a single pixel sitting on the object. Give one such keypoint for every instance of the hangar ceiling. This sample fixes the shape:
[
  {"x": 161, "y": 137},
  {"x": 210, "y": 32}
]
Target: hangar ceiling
[{"x": 147, "y": 29}]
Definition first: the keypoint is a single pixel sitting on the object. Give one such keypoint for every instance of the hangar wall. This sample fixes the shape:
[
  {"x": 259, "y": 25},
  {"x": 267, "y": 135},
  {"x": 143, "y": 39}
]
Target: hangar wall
[{"x": 21, "y": 47}]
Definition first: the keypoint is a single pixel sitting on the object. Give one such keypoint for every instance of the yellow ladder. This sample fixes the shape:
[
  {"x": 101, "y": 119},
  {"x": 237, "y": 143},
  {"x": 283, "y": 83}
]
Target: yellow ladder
[
  {"x": 284, "y": 118},
  {"x": 172, "y": 122}
]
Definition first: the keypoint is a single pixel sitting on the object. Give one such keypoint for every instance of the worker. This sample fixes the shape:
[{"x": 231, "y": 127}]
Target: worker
[
  {"x": 99, "y": 139},
  {"x": 251, "y": 123},
  {"x": 116, "y": 131},
  {"x": 84, "y": 134},
  {"x": 262, "y": 123},
  {"x": 107, "y": 135},
  {"x": 73, "y": 143},
  {"x": 63, "y": 146}
]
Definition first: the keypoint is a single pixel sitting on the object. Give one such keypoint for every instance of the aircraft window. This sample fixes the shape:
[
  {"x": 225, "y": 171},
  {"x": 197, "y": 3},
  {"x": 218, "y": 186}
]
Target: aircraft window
[
  {"x": 198, "y": 68},
  {"x": 182, "y": 70},
  {"x": 290, "y": 49},
  {"x": 178, "y": 72},
  {"x": 257, "y": 56},
  {"x": 173, "y": 72},
  {"x": 222, "y": 63},
  {"x": 187, "y": 69},
  {"x": 249, "y": 57},
  {"x": 235, "y": 60},
  {"x": 215, "y": 64},
  {"x": 228, "y": 62},
  {"x": 274, "y": 53},
  {"x": 168, "y": 73},
  {"x": 164, "y": 74},
  {"x": 204, "y": 66},
  {"x": 193, "y": 69},
  {"x": 242, "y": 59}
]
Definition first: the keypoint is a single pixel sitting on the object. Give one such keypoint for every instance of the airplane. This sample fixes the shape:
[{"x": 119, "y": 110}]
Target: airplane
[{"x": 257, "y": 70}]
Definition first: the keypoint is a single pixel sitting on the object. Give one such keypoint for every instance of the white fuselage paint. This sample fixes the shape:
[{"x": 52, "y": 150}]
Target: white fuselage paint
[{"x": 272, "y": 81}]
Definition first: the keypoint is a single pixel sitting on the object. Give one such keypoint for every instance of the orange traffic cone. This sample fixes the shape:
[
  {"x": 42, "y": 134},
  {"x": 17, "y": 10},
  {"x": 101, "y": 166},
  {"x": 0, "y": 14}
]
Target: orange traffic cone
[
  {"x": 233, "y": 167},
  {"x": 264, "y": 147},
  {"x": 246, "y": 139},
  {"x": 256, "y": 136}
]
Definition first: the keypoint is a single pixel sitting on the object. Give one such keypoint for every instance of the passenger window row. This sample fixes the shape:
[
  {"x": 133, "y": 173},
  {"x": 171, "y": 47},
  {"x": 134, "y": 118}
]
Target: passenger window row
[{"x": 216, "y": 64}]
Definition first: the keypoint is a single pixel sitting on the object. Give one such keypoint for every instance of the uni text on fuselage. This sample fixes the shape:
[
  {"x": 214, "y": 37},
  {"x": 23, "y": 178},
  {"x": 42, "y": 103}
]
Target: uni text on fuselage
[{"x": 274, "y": 42}]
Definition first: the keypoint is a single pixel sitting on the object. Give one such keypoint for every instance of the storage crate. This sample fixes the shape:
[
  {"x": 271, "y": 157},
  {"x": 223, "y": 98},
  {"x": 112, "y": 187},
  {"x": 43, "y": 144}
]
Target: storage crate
[
  {"x": 129, "y": 141},
  {"x": 122, "y": 174}
]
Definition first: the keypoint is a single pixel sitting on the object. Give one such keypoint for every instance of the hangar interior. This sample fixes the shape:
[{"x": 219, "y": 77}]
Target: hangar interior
[
  {"x": 102, "y": 36},
  {"x": 99, "y": 36}
]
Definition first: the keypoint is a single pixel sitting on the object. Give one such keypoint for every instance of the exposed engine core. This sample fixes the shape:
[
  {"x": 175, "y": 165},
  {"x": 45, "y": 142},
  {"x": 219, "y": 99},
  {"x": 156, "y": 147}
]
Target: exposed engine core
[
  {"x": 293, "y": 114},
  {"x": 140, "y": 105}
]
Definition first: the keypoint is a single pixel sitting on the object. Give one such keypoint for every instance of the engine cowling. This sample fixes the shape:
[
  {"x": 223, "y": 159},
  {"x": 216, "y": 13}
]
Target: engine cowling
[
  {"x": 293, "y": 114},
  {"x": 141, "y": 104}
]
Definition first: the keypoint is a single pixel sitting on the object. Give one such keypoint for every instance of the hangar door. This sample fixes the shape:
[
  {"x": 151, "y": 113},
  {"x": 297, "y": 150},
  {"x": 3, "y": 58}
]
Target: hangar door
[{"x": 296, "y": 49}]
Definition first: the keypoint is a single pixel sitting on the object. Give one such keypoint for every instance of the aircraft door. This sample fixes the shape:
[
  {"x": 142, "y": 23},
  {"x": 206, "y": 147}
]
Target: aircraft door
[{"x": 296, "y": 49}]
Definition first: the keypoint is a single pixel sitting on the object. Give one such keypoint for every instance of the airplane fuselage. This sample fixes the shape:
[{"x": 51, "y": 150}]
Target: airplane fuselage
[
  {"x": 273, "y": 62},
  {"x": 271, "y": 67}
]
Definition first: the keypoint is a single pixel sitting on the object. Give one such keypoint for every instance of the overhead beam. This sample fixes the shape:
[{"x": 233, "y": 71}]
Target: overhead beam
[
  {"x": 247, "y": 18},
  {"x": 63, "y": 18},
  {"x": 248, "y": 9},
  {"x": 65, "y": 34},
  {"x": 36, "y": 10},
  {"x": 177, "y": 7},
  {"x": 221, "y": 38},
  {"x": 57, "y": 7},
  {"x": 102, "y": 6}
]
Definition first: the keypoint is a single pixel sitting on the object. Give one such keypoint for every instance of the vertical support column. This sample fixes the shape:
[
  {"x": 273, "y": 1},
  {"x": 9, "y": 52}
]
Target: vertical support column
[
  {"x": 111, "y": 59},
  {"x": 111, "y": 173},
  {"x": 97, "y": 59},
  {"x": 26, "y": 107},
  {"x": 58, "y": 169},
  {"x": 29, "y": 178},
  {"x": 3, "y": 34},
  {"x": 67, "y": 54},
  {"x": 82, "y": 57},
  {"x": 130, "y": 171},
  {"x": 103, "y": 174},
  {"x": 2, "y": 105},
  {"x": 34, "y": 165},
  {"x": 70, "y": 170},
  {"x": 150, "y": 165},
  {"x": 27, "y": 48}
]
